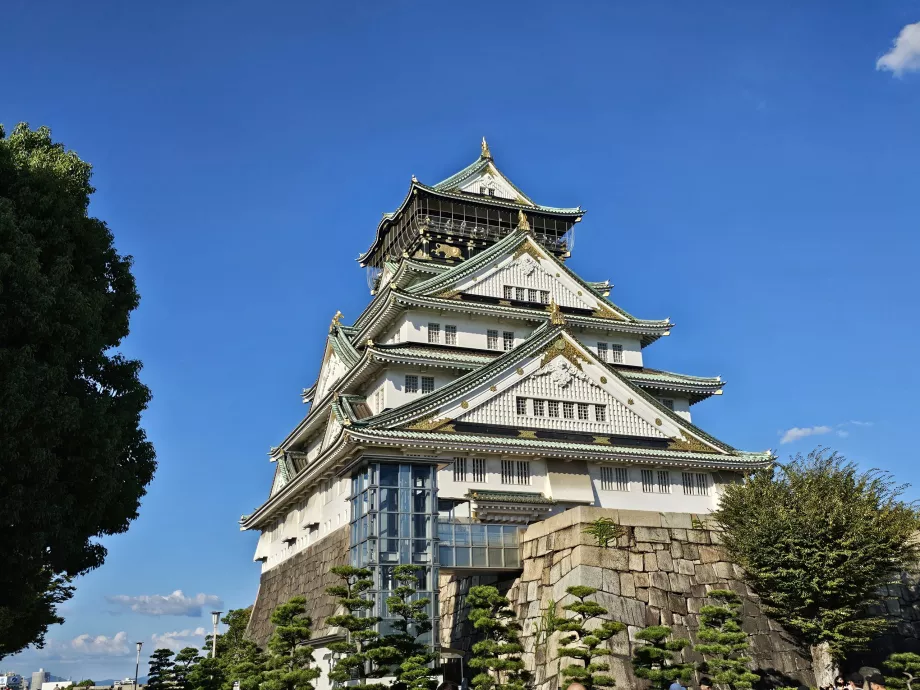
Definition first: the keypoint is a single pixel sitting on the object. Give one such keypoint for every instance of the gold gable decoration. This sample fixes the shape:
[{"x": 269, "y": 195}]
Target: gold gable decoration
[
  {"x": 555, "y": 314},
  {"x": 690, "y": 445},
  {"x": 449, "y": 294},
  {"x": 563, "y": 347},
  {"x": 528, "y": 248},
  {"x": 523, "y": 223},
  {"x": 605, "y": 312},
  {"x": 429, "y": 423},
  {"x": 485, "y": 150}
]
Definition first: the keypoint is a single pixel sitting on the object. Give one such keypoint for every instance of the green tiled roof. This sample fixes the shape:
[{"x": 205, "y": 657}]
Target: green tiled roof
[
  {"x": 420, "y": 351},
  {"x": 508, "y": 496}
]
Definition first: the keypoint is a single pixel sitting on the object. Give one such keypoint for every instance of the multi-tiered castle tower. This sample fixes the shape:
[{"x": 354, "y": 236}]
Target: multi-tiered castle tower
[{"x": 485, "y": 387}]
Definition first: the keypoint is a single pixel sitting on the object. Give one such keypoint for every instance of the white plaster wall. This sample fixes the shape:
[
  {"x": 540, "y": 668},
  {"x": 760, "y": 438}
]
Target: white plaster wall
[
  {"x": 395, "y": 383},
  {"x": 636, "y": 499},
  {"x": 448, "y": 488}
]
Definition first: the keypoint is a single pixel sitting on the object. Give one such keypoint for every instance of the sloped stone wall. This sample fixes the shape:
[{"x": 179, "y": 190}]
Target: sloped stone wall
[{"x": 306, "y": 573}]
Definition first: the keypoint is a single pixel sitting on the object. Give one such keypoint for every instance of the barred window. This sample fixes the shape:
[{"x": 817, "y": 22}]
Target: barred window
[
  {"x": 479, "y": 469},
  {"x": 522, "y": 405},
  {"x": 520, "y": 294},
  {"x": 492, "y": 339},
  {"x": 602, "y": 351},
  {"x": 450, "y": 335},
  {"x": 695, "y": 484},
  {"x": 459, "y": 469},
  {"x": 667, "y": 402},
  {"x": 553, "y": 406},
  {"x": 427, "y": 384},
  {"x": 614, "y": 479},
  {"x": 544, "y": 296},
  {"x": 568, "y": 410},
  {"x": 516, "y": 472},
  {"x": 509, "y": 292},
  {"x": 411, "y": 384},
  {"x": 508, "y": 340},
  {"x": 539, "y": 408},
  {"x": 664, "y": 482},
  {"x": 583, "y": 410},
  {"x": 616, "y": 353},
  {"x": 533, "y": 295},
  {"x": 600, "y": 413},
  {"x": 434, "y": 333},
  {"x": 648, "y": 481}
]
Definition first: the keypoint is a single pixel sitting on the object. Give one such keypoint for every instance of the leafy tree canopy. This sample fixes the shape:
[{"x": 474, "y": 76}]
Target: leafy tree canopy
[
  {"x": 74, "y": 461},
  {"x": 817, "y": 539}
]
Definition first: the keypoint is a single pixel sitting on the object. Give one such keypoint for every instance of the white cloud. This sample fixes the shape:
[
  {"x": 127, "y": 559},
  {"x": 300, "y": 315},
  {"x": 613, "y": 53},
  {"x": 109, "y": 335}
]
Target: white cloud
[
  {"x": 858, "y": 423},
  {"x": 87, "y": 645},
  {"x": 795, "y": 433},
  {"x": 904, "y": 55},
  {"x": 175, "y": 604},
  {"x": 178, "y": 639}
]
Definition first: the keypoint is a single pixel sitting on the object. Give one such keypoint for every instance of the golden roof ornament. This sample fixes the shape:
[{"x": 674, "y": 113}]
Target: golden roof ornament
[
  {"x": 485, "y": 150},
  {"x": 336, "y": 321},
  {"x": 555, "y": 314},
  {"x": 523, "y": 223}
]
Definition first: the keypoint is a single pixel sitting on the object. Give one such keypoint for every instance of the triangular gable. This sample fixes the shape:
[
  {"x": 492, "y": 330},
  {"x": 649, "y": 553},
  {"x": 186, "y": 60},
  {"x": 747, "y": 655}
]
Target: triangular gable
[
  {"x": 558, "y": 370},
  {"x": 330, "y": 372},
  {"x": 484, "y": 177}
]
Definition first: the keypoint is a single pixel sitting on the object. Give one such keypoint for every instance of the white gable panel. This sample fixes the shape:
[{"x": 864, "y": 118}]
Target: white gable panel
[
  {"x": 560, "y": 381},
  {"x": 332, "y": 430},
  {"x": 333, "y": 369},
  {"x": 489, "y": 181},
  {"x": 526, "y": 272}
]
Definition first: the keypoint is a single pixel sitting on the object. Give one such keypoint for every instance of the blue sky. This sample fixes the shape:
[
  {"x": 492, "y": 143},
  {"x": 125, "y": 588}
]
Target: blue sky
[{"x": 748, "y": 170}]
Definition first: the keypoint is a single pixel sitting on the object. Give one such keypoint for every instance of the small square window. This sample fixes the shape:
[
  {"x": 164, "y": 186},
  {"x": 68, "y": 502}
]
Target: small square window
[
  {"x": 602, "y": 351},
  {"x": 411, "y": 384},
  {"x": 427, "y": 384},
  {"x": 479, "y": 469},
  {"x": 600, "y": 413},
  {"x": 508, "y": 340},
  {"x": 553, "y": 406},
  {"x": 492, "y": 339},
  {"x": 568, "y": 410},
  {"x": 539, "y": 407},
  {"x": 648, "y": 481},
  {"x": 459, "y": 469},
  {"x": 616, "y": 353},
  {"x": 522, "y": 405},
  {"x": 664, "y": 482},
  {"x": 491, "y": 192},
  {"x": 509, "y": 292},
  {"x": 668, "y": 402},
  {"x": 544, "y": 296},
  {"x": 583, "y": 410},
  {"x": 450, "y": 335},
  {"x": 533, "y": 295},
  {"x": 520, "y": 294},
  {"x": 434, "y": 333}
]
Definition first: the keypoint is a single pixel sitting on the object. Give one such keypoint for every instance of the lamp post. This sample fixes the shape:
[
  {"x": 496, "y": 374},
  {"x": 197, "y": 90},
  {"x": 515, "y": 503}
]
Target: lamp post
[
  {"x": 215, "y": 619},
  {"x": 137, "y": 664}
]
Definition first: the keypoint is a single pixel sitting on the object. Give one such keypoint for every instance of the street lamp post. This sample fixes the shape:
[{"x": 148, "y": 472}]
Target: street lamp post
[
  {"x": 137, "y": 664},
  {"x": 215, "y": 619}
]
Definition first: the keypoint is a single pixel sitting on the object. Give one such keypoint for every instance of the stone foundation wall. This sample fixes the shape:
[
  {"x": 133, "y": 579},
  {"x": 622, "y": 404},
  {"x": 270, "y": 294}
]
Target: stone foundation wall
[{"x": 306, "y": 573}]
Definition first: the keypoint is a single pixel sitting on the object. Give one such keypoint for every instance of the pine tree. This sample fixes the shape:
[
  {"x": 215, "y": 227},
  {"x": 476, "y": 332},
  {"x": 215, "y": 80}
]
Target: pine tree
[
  {"x": 904, "y": 669},
  {"x": 290, "y": 662},
  {"x": 186, "y": 659},
  {"x": 724, "y": 642},
  {"x": 207, "y": 674},
  {"x": 160, "y": 673},
  {"x": 585, "y": 644},
  {"x": 351, "y": 656},
  {"x": 415, "y": 670},
  {"x": 654, "y": 660},
  {"x": 498, "y": 655}
]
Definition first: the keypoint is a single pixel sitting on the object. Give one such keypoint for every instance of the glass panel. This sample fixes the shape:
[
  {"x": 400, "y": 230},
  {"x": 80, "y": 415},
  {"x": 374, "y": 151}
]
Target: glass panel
[
  {"x": 389, "y": 525},
  {"x": 372, "y": 499},
  {"x": 495, "y": 535},
  {"x": 495, "y": 558},
  {"x": 404, "y": 525},
  {"x": 405, "y": 475},
  {"x": 479, "y": 557},
  {"x": 479, "y": 534},
  {"x": 512, "y": 558},
  {"x": 372, "y": 474},
  {"x": 444, "y": 531},
  {"x": 404, "y": 500},
  {"x": 388, "y": 500},
  {"x": 404, "y": 550},
  {"x": 462, "y": 556},
  {"x": 421, "y": 476},
  {"x": 372, "y": 550},
  {"x": 462, "y": 535},
  {"x": 420, "y": 501},
  {"x": 389, "y": 475},
  {"x": 420, "y": 526},
  {"x": 510, "y": 535},
  {"x": 364, "y": 503}
]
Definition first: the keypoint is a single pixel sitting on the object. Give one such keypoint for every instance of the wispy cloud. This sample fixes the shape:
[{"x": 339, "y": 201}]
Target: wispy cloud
[
  {"x": 795, "y": 433},
  {"x": 178, "y": 639},
  {"x": 86, "y": 645},
  {"x": 175, "y": 604},
  {"x": 904, "y": 55}
]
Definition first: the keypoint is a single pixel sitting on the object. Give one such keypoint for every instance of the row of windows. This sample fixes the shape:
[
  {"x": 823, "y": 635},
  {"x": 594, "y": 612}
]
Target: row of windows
[
  {"x": 492, "y": 339},
  {"x": 512, "y": 471},
  {"x": 478, "y": 470},
  {"x": 551, "y": 408},
  {"x": 654, "y": 481},
  {"x": 412, "y": 384},
  {"x": 434, "y": 334},
  {"x": 526, "y": 294},
  {"x": 610, "y": 352}
]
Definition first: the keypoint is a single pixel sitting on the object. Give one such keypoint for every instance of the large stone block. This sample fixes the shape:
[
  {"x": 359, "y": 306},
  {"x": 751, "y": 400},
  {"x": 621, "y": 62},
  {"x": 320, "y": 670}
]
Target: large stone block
[
  {"x": 665, "y": 562},
  {"x": 650, "y": 562},
  {"x": 660, "y": 580},
  {"x": 677, "y": 520},
  {"x": 639, "y": 518},
  {"x": 652, "y": 534},
  {"x": 627, "y": 585},
  {"x": 711, "y": 554},
  {"x": 697, "y": 536},
  {"x": 636, "y": 562}
]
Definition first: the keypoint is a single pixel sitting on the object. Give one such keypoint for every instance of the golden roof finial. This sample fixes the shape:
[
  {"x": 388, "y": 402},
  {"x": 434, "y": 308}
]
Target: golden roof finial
[
  {"x": 485, "y": 150},
  {"x": 523, "y": 223},
  {"x": 336, "y": 321},
  {"x": 555, "y": 314}
]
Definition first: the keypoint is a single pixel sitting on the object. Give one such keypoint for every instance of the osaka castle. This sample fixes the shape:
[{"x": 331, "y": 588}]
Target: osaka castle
[{"x": 485, "y": 387}]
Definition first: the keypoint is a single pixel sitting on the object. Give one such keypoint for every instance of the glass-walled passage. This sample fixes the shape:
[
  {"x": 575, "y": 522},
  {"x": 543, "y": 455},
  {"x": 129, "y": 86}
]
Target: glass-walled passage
[
  {"x": 464, "y": 543},
  {"x": 394, "y": 518}
]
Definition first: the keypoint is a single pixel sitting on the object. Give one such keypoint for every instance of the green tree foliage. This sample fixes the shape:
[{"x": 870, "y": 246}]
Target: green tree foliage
[
  {"x": 497, "y": 656},
  {"x": 207, "y": 674},
  {"x": 724, "y": 644},
  {"x": 584, "y": 644},
  {"x": 238, "y": 658},
  {"x": 290, "y": 660},
  {"x": 817, "y": 539},
  {"x": 86, "y": 683},
  {"x": 654, "y": 660},
  {"x": 183, "y": 663},
  {"x": 604, "y": 530},
  {"x": 415, "y": 658},
  {"x": 160, "y": 671},
  {"x": 352, "y": 658},
  {"x": 74, "y": 461},
  {"x": 902, "y": 670}
]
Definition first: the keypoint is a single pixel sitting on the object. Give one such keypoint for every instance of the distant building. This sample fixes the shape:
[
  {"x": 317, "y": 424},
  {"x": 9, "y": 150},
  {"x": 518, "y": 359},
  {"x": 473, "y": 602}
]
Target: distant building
[
  {"x": 10, "y": 681},
  {"x": 39, "y": 678}
]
